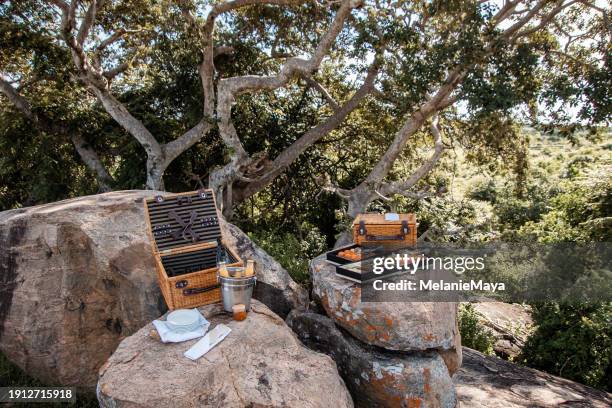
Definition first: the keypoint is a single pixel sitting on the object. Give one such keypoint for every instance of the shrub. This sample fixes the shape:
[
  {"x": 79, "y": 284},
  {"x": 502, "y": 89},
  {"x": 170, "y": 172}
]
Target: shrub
[
  {"x": 512, "y": 212},
  {"x": 473, "y": 334},
  {"x": 291, "y": 252},
  {"x": 582, "y": 213},
  {"x": 483, "y": 190},
  {"x": 13, "y": 376},
  {"x": 576, "y": 165},
  {"x": 573, "y": 341}
]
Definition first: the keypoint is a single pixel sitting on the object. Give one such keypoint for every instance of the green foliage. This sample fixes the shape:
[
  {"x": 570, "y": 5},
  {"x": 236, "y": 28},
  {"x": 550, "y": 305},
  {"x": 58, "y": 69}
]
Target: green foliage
[
  {"x": 582, "y": 213},
  {"x": 162, "y": 89},
  {"x": 293, "y": 253},
  {"x": 444, "y": 213},
  {"x": 473, "y": 334},
  {"x": 35, "y": 167},
  {"x": 569, "y": 199},
  {"x": 573, "y": 341},
  {"x": 514, "y": 212},
  {"x": 483, "y": 190}
]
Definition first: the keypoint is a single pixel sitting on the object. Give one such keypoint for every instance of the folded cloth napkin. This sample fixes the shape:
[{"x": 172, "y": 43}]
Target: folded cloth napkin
[{"x": 169, "y": 336}]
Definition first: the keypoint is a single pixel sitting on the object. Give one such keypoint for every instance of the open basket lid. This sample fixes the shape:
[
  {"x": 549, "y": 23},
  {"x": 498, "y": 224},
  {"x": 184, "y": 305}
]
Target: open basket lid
[{"x": 182, "y": 220}]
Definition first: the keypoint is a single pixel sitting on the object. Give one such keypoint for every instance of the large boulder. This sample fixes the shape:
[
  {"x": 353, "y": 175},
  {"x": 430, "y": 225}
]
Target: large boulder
[
  {"x": 77, "y": 276},
  {"x": 260, "y": 363},
  {"x": 490, "y": 382},
  {"x": 376, "y": 377},
  {"x": 391, "y": 325}
]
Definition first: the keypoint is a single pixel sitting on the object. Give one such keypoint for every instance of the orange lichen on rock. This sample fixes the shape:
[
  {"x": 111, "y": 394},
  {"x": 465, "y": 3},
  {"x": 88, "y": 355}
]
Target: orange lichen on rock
[
  {"x": 386, "y": 387},
  {"x": 413, "y": 402},
  {"x": 384, "y": 335},
  {"x": 426, "y": 378}
]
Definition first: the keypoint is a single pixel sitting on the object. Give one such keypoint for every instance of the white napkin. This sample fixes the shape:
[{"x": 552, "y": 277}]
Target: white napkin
[
  {"x": 169, "y": 336},
  {"x": 208, "y": 342},
  {"x": 391, "y": 217}
]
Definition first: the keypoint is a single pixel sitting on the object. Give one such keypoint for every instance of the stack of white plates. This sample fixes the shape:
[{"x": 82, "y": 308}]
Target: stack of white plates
[{"x": 183, "y": 320}]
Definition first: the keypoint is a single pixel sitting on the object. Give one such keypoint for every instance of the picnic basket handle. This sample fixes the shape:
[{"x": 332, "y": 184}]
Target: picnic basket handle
[
  {"x": 195, "y": 291},
  {"x": 404, "y": 230}
]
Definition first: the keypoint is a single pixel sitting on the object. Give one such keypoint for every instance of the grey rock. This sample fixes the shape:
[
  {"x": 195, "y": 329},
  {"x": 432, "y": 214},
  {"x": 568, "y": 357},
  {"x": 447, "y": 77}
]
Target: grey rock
[
  {"x": 491, "y": 382},
  {"x": 77, "y": 276},
  {"x": 392, "y": 325},
  {"x": 260, "y": 363},
  {"x": 511, "y": 324},
  {"x": 376, "y": 377}
]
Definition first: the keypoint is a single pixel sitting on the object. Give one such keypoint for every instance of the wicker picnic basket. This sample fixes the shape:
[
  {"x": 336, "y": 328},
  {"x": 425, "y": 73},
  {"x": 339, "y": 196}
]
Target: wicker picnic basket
[
  {"x": 398, "y": 230},
  {"x": 187, "y": 246}
]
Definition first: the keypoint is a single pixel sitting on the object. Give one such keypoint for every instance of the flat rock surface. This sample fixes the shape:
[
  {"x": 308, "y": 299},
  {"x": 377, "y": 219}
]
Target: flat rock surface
[
  {"x": 77, "y": 276},
  {"x": 491, "y": 382},
  {"x": 375, "y": 377},
  {"x": 392, "y": 325},
  {"x": 260, "y": 363}
]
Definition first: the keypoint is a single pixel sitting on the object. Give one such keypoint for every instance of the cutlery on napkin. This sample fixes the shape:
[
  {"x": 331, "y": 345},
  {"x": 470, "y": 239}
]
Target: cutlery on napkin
[{"x": 207, "y": 342}]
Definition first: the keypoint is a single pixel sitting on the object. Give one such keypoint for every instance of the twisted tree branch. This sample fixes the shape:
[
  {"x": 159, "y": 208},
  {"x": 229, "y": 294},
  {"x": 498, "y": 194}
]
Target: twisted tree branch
[
  {"x": 402, "y": 187},
  {"x": 45, "y": 124},
  {"x": 290, "y": 154},
  {"x": 229, "y": 88}
]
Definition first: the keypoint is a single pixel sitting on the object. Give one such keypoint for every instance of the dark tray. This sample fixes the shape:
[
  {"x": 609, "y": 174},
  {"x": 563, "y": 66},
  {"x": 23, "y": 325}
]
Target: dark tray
[
  {"x": 355, "y": 271},
  {"x": 332, "y": 256}
]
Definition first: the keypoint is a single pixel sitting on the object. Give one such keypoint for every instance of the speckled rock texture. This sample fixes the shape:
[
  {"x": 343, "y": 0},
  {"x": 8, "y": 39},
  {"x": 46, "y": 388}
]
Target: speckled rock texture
[
  {"x": 376, "y": 377},
  {"x": 260, "y": 364},
  {"x": 391, "y": 325},
  {"x": 490, "y": 382},
  {"x": 77, "y": 276}
]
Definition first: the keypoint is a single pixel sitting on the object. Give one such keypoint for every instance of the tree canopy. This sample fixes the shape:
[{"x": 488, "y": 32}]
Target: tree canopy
[{"x": 358, "y": 98}]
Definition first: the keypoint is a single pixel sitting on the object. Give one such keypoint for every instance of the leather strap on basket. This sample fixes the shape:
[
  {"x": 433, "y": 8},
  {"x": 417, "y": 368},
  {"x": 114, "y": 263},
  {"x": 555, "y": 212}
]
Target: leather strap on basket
[
  {"x": 405, "y": 230},
  {"x": 195, "y": 291},
  {"x": 186, "y": 227},
  {"x": 362, "y": 228}
]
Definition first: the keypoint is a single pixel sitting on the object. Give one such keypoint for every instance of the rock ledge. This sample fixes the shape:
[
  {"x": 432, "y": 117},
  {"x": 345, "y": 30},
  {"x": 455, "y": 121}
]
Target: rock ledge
[
  {"x": 490, "y": 382},
  {"x": 260, "y": 363}
]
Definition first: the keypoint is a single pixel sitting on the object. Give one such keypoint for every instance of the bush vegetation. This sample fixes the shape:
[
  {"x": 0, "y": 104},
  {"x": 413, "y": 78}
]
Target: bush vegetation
[
  {"x": 572, "y": 341},
  {"x": 568, "y": 199},
  {"x": 473, "y": 334},
  {"x": 292, "y": 252},
  {"x": 13, "y": 376}
]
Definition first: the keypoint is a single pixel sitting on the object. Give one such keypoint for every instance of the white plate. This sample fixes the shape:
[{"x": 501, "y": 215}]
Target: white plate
[{"x": 183, "y": 319}]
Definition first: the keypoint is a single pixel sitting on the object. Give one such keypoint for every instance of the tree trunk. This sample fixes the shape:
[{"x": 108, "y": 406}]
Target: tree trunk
[
  {"x": 91, "y": 159},
  {"x": 155, "y": 173},
  {"x": 358, "y": 203}
]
